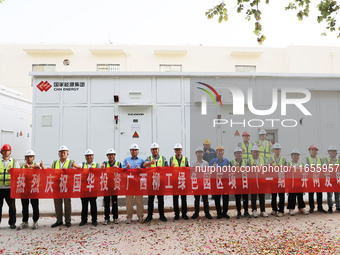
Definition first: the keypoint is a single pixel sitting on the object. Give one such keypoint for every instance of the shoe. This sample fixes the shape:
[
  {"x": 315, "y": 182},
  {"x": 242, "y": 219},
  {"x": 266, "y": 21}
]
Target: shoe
[
  {"x": 128, "y": 221},
  {"x": 12, "y": 226},
  {"x": 56, "y": 224},
  {"x": 208, "y": 216},
  {"x": 82, "y": 223},
  {"x": 35, "y": 225},
  {"x": 163, "y": 218},
  {"x": 303, "y": 211},
  {"x": 68, "y": 224},
  {"x": 225, "y": 215},
  {"x": 239, "y": 215},
  {"x": 194, "y": 216},
  {"x": 246, "y": 214},
  {"x": 148, "y": 219},
  {"x": 94, "y": 223},
  {"x": 141, "y": 219},
  {"x": 291, "y": 212},
  {"x": 219, "y": 217},
  {"x": 311, "y": 210},
  {"x": 106, "y": 222},
  {"x": 273, "y": 213},
  {"x": 279, "y": 214},
  {"x": 185, "y": 217},
  {"x": 264, "y": 214},
  {"x": 338, "y": 209},
  {"x": 330, "y": 210},
  {"x": 23, "y": 225},
  {"x": 255, "y": 214},
  {"x": 322, "y": 210},
  {"x": 115, "y": 221},
  {"x": 176, "y": 217}
]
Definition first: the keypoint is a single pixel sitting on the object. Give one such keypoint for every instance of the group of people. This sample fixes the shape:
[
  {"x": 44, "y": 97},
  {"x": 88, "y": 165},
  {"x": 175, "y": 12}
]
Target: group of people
[{"x": 246, "y": 154}]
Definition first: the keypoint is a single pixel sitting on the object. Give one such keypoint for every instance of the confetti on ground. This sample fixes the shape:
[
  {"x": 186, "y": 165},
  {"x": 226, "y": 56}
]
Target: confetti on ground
[{"x": 312, "y": 234}]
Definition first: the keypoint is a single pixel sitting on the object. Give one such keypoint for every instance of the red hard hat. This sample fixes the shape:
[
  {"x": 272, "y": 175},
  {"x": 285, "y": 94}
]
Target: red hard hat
[
  {"x": 245, "y": 133},
  {"x": 6, "y": 147},
  {"x": 313, "y": 147}
]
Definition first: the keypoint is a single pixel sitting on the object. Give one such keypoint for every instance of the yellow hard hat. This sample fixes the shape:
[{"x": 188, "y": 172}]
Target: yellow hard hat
[
  {"x": 206, "y": 141},
  {"x": 220, "y": 147}
]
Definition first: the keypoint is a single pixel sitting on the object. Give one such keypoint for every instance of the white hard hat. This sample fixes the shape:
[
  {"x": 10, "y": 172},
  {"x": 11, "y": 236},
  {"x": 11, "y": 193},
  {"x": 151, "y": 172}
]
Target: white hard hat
[
  {"x": 295, "y": 151},
  {"x": 262, "y": 132},
  {"x": 134, "y": 146},
  {"x": 276, "y": 146},
  {"x": 154, "y": 146},
  {"x": 199, "y": 149},
  {"x": 237, "y": 149},
  {"x": 178, "y": 146},
  {"x": 110, "y": 151},
  {"x": 89, "y": 152},
  {"x": 29, "y": 153},
  {"x": 63, "y": 148},
  {"x": 255, "y": 148},
  {"x": 332, "y": 148}
]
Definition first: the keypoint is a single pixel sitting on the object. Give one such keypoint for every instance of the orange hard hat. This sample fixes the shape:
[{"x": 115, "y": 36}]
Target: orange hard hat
[
  {"x": 245, "y": 133},
  {"x": 6, "y": 147},
  {"x": 313, "y": 147}
]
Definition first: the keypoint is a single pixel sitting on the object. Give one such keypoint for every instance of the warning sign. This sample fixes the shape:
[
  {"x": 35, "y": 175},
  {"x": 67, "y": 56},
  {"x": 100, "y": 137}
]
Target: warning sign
[
  {"x": 135, "y": 135},
  {"x": 236, "y": 133}
]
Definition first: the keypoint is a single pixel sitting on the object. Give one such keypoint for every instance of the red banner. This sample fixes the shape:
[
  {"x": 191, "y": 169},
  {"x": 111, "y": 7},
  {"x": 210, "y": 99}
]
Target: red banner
[{"x": 73, "y": 183}]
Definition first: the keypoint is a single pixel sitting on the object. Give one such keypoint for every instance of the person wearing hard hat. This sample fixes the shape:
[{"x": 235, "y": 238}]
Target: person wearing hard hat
[
  {"x": 238, "y": 162},
  {"x": 209, "y": 153},
  {"x": 277, "y": 160},
  {"x": 293, "y": 196},
  {"x": 111, "y": 162},
  {"x": 201, "y": 162},
  {"x": 89, "y": 156},
  {"x": 29, "y": 164},
  {"x": 155, "y": 160},
  {"x": 221, "y": 161},
  {"x": 62, "y": 163},
  {"x": 314, "y": 160},
  {"x": 264, "y": 145},
  {"x": 179, "y": 161},
  {"x": 245, "y": 145},
  {"x": 134, "y": 162},
  {"x": 6, "y": 163},
  {"x": 331, "y": 161},
  {"x": 256, "y": 160}
]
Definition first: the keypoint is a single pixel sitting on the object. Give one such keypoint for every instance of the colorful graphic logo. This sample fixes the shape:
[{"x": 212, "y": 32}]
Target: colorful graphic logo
[
  {"x": 204, "y": 97},
  {"x": 44, "y": 86}
]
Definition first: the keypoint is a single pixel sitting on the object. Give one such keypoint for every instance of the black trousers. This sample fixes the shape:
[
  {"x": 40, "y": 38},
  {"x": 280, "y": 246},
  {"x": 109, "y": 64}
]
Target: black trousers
[
  {"x": 281, "y": 202},
  {"x": 6, "y": 194},
  {"x": 114, "y": 207},
  {"x": 35, "y": 206},
  {"x": 151, "y": 200},
  {"x": 292, "y": 200},
  {"x": 318, "y": 199},
  {"x": 245, "y": 202},
  {"x": 205, "y": 204},
  {"x": 225, "y": 199},
  {"x": 262, "y": 202},
  {"x": 85, "y": 208},
  {"x": 184, "y": 205}
]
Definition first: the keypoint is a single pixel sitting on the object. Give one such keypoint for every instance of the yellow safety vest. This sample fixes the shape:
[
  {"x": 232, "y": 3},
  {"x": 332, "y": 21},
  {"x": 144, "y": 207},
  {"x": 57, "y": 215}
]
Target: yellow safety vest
[
  {"x": 30, "y": 167},
  {"x": 160, "y": 161},
  {"x": 56, "y": 164},
  {"x": 4, "y": 173},
  {"x": 264, "y": 150},
  {"x": 252, "y": 161},
  {"x": 243, "y": 163},
  {"x": 311, "y": 162},
  {"x": 281, "y": 161},
  {"x": 116, "y": 163},
  {"x": 292, "y": 164},
  {"x": 327, "y": 160},
  {"x": 174, "y": 160},
  {"x": 247, "y": 150},
  {"x": 96, "y": 165}
]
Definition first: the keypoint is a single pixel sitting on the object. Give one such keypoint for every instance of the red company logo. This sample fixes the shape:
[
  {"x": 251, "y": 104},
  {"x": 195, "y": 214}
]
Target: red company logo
[{"x": 44, "y": 86}]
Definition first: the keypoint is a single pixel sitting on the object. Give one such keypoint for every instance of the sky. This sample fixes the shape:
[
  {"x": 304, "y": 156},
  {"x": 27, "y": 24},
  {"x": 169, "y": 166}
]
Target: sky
[{"x": 155, "y": 22}]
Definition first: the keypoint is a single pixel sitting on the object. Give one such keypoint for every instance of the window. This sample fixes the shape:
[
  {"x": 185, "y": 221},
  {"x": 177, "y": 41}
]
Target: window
[
  {"x": 245, "y": 68},
  {"x": 43, "y": 67},
  {"x": 108, "y": 67},
  {"x": 170, "y": 68}
]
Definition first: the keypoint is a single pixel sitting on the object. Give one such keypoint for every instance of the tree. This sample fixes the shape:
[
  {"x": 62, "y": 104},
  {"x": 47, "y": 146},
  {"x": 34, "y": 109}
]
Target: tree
[{"x": 328, "y": 10}]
